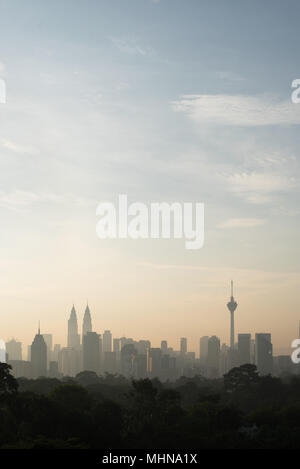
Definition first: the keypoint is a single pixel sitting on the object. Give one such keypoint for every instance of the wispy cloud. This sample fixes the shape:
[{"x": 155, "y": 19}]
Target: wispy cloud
[
  {"x": 20, "y": 201},
  {"x": 16, "y": 147},
  {"x": 238, "y": 110},
  {"x": 242, "y": 223},
  {"x": 259, "y": 187},
  {"x": 130, "y": 45}
]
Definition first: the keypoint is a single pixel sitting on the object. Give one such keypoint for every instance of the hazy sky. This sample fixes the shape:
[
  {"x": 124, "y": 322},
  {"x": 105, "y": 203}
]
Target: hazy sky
[{"x": 170, "y": 100}]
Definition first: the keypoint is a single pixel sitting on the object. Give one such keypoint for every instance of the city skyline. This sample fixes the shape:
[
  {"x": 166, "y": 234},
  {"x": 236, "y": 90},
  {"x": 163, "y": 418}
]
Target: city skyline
[
  {"x": 73, "y": 337},
  {"x": 137, "y": 358}
]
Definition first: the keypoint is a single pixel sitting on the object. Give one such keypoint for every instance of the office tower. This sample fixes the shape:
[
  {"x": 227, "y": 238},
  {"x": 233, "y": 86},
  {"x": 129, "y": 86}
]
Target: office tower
[
  {"x": 143, "y": 347},
  {"x": 20, "y": 368},
  {"x": 129, "y": 361},
  {"x": 155, "y": 362},
  {"x": 203, "y": 350},
  {"x": 53, "y": 369},
  {"x": 244, "y": 348},
  {"x": 183, "y": 345},
  {"x": 213, "y": 357},
  {"x": 164, "y": 347},
  {"x": 56, "y": 350},
  {"x": 68, "y": 361},
  {"x": 48, "y": 340},
  {"x": 282, "y": 364},
  {"x": 73, "y": 336},
  {"x": 142, "y": 366},
  {"x": 2, "y": 351},
  {"x": 263, "y": 353},
  {"x": 107, "y": 341},
  {"x": 116, "y": 346},
  {"x": 232, "y": 305},
  {"x": 39, "y": 356},
  {"x": 91, "y": 352},
  {"x": 87, "y": 322},
  {"x": 125, "y": 341},
  {"x": 224, "y": 359},
  {"x": 14, "y": 350}
]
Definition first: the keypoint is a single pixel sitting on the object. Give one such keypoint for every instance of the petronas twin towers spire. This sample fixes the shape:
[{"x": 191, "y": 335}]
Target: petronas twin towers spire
[
  {"x": 73, "y": 336},
  {"x": 87, "y": 321}
]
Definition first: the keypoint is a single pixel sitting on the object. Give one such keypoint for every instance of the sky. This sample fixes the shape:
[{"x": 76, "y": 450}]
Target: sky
[{"x": 165, "y": 101}]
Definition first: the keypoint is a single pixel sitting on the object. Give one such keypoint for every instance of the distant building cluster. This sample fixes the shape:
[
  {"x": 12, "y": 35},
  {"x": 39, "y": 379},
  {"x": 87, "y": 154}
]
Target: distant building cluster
[{"x": 102, "y": 354}]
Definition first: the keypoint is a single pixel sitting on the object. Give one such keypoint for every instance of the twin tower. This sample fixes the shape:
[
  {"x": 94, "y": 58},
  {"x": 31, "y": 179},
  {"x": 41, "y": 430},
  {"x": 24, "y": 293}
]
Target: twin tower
[{"x": 73, "y": 336}]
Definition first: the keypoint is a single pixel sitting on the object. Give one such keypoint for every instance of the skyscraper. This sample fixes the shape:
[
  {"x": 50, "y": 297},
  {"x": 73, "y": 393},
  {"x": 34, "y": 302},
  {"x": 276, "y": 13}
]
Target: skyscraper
[
  {"x": 129, "y": 361},
  {"x": 73, "y": 336},
  {"x": 87, "y": 322},
  {"x": 213, "y": 357},
  {"x": 107, "y": 341},
  {"x": 203, "y": 350},
  {"x": 263, "y": 353},
  {"x": 183, "y": 345},
  {"x": 155, "y": 362},
  {"x": 244, "y": 344},
  {"x": 14, "y": 350},
  {"x": 68, "y": 361},
  {"x": 91, "y": 351},
  {"x": 232, "y": 305},
  {"x": 164, "y": 347},
  {"x": 39, "y": 356}
]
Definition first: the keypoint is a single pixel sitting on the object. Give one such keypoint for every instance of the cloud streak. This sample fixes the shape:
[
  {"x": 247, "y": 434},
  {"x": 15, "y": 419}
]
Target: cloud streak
[
  {"x": 237, "y": 110},
  {"x": 242, "y": 223}
]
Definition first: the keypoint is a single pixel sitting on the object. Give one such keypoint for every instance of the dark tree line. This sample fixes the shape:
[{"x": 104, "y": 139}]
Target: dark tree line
[{"x": 242, "y": 410}]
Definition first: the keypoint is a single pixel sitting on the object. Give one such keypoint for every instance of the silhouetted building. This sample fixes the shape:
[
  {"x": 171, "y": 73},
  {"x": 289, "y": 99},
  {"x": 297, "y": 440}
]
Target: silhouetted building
[
  {"x": 129, "y": 361},
  {"x": 39, "y": 356},
  {"x": 116, "y": 346},
  {"x": 143, "y": 347},
  {"x": 282, "y": 364},
  {"x": 183, "y": 345},
  {"x": 91, "y": 352},
  {"x": 14, "y": 350},
  {"x": 68, "y": 361},
  {"x": 73, "y": 336},
  {"x": 53, "y": 369},
  {"x": 263, "y": 353},
  {"x": 213, "y": 357},
  {"x": 155, "y": 362},
  {"x": 164, "y": 347},
  {"x": 244, "y": 347},
  {"x": 56, "y": 350},
  {"x": 142, "y": 366},
  {"x": 21, "y": 368},
  {"x": 107, "y": 341},
  {"x": 87, "y": 322},
  {"x": 203, "y": 350}
]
